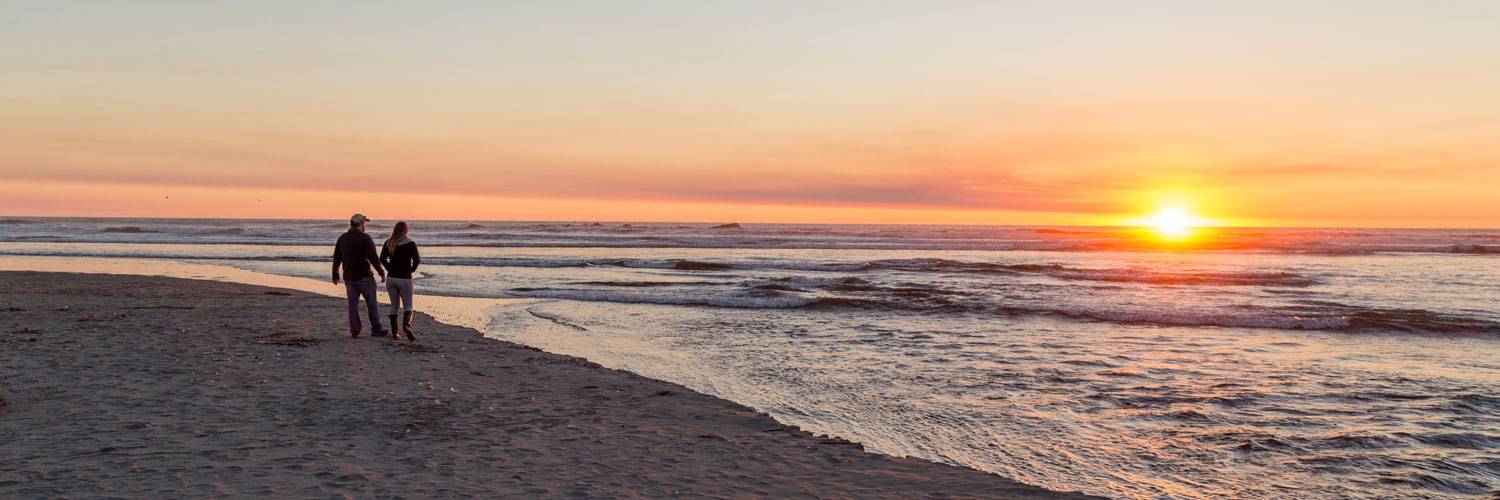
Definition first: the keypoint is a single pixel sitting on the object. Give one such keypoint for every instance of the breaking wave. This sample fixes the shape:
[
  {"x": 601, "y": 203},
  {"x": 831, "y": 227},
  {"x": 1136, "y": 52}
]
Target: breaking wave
[
  {"x": 1127, "y": 275},
  {"x": 858, "y": 294},
  {"x": 761, "y": 300}
]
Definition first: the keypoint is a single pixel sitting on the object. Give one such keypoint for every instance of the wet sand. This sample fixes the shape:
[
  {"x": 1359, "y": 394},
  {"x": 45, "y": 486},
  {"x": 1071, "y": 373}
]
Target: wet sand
[{"x": 136, "y": 386}]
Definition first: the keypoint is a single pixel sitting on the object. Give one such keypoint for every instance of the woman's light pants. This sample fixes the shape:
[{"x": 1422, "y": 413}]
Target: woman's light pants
[{"x": 400, "y": 290}]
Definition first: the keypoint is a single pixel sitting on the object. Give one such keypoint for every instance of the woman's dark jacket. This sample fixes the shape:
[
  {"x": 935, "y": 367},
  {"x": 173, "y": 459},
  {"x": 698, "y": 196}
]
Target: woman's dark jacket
[{"x": 402, "y": 262}]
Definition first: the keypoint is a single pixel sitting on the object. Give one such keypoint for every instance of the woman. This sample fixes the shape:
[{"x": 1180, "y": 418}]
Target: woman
[{"x": 400, "y": 258}]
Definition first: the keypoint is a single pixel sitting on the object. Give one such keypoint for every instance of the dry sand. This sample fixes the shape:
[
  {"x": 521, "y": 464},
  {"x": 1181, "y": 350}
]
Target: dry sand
[{"x": 139, "y": 386}]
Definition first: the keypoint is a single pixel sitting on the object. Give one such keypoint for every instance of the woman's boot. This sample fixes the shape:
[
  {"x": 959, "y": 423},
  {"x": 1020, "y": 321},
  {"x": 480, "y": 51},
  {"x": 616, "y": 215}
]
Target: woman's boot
[
  {"x": 407, "y": 317},
  {"x": 395, "y": 328}
]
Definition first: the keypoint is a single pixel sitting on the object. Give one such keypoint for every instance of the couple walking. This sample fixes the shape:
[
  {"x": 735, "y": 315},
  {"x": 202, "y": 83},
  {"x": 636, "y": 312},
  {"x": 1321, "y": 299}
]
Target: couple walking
[{"x": 355, "y": 251}]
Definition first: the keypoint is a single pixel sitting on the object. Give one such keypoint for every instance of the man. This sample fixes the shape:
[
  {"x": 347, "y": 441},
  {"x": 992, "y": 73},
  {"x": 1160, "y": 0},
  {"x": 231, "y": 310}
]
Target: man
[{"x": 356, "y": 252}]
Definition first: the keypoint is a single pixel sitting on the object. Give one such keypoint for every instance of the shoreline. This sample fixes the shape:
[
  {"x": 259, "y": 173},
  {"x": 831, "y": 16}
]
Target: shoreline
[{"x": 139, "y": 385}]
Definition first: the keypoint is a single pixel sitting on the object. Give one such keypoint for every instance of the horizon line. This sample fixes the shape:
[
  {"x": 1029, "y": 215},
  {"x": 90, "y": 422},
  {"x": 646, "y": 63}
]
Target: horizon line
[{"x": 622, "y": 221}]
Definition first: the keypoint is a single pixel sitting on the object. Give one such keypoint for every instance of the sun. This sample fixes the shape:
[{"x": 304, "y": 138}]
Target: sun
[{"x": 1173, "y": 223}]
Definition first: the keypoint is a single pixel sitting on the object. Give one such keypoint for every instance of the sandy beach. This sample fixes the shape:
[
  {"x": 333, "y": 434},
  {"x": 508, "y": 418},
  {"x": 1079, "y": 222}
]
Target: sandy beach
[{"x": 140, "y": 386}]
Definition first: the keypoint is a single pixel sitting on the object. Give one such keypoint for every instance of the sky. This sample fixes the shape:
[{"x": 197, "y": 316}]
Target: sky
[{"x": 1326, "y": 113}]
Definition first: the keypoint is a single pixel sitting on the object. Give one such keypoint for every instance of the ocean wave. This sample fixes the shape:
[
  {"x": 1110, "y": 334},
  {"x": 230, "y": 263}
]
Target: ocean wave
[
  {"x": 1368, "y": 441},
  {"x": 550, "y": 263},
  {"x": 758, "y": 300},
  {"x": 507, "y": 262},
  {"x": 1458, "y": 440},
  {"x": 1125, "y": 275},
  {"x": 1372, "y": 320},
  {"x": 1193, "y": 318},
  {"x": 1184, "y": 278},
  {"x": 1473, "y": 404},
  {"x": 1477, "y": 249},
  {"x": 1343, "y": 252},
  {"x": 1446, "y": 485},
  {"x": 1359, "y": 442},
  {"x": 1259, "y": 318},
  {"x": 811, "y": 281},
  {"x": 688, "y": 265},
  {"x": 127, "y": 230},
  {"x": 1418, "y": 320},
  {"x": 645, "y": 284}
]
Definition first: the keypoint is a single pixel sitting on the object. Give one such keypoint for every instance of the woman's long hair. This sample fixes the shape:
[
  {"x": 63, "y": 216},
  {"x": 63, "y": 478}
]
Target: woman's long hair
[{"x": 398, "y": 233}]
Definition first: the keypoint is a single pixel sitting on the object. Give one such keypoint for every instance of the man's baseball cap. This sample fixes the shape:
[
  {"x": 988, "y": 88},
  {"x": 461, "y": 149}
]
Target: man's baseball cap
[{"x": 358, "y": 218}]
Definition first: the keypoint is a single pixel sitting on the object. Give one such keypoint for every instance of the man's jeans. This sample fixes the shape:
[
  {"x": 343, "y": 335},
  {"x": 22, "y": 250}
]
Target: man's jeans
[{"x": 366, "y": 288}]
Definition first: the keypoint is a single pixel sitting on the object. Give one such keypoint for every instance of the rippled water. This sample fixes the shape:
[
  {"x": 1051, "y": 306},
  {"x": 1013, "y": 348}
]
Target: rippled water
[{"x": 1268, "y": 363}]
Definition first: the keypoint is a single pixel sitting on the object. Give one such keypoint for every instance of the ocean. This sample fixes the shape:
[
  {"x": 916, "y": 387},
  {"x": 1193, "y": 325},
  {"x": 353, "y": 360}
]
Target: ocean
[{"x": 1242, "y": 362}]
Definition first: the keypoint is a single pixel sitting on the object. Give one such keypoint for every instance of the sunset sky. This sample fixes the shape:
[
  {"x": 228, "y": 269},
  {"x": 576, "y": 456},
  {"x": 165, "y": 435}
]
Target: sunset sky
[{"x": 1359, "y": 113}]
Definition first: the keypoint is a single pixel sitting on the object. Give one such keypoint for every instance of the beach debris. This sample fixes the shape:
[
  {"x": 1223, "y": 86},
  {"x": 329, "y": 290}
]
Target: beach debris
[
  {"x": 9, "y": 340},
  {"x": 285, "y": 339},
  {"x": 103, "y": 450},
  {"x": 839, "y": 442},
  {"x": 665, "y": 393},
  {"x": 91, "y": 318},
  {"x": 420, "y": 348},
  {"x": 162, "y": 307},
  {"x": 278, "y": 292}
]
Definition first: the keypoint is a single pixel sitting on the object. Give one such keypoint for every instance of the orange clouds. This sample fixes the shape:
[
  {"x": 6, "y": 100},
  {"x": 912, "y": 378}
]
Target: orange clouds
[{"x": 109, "y": 200}]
